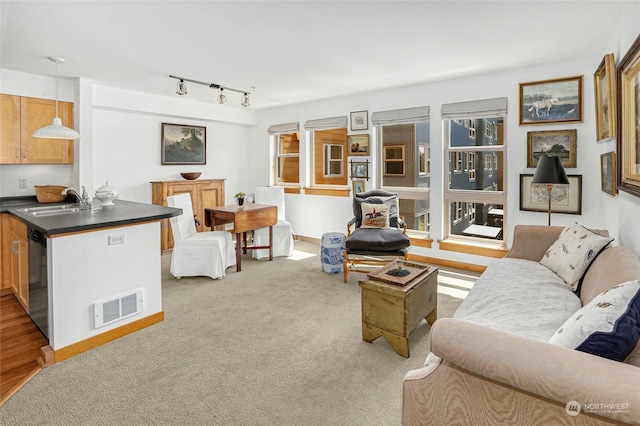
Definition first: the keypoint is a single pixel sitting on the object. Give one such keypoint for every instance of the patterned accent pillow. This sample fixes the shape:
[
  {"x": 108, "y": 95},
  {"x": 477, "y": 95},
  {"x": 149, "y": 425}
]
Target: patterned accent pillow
[
  {"x": 375, "y": 215},
  {"x": 572, "y": 253},
  {"x": 608, "y": 326}
]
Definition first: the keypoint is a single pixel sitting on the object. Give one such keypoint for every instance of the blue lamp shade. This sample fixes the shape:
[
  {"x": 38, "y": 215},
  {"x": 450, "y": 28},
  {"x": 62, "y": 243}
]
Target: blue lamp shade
[{"x": 550, "y": 171}]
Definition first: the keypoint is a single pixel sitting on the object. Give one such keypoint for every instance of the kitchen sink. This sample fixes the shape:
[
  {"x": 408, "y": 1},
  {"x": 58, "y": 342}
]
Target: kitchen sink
[{"x": 51, "y": 210}]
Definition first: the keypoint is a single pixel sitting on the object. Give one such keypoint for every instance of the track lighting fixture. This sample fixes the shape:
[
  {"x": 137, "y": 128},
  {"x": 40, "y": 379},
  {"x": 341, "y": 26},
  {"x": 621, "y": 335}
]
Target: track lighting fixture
[
  {"x": 182, "y": 88},
  {"x": 221, "y": 98}
]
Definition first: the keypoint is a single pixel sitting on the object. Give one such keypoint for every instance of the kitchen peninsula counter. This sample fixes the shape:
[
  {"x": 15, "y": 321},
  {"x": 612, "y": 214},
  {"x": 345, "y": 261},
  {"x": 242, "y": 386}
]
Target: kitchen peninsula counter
[{"x": 120, "y": 214}]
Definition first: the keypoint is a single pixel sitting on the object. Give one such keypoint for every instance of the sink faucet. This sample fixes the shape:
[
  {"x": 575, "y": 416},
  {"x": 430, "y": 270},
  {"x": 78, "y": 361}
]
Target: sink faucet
[{"x": 83, "y": 200}]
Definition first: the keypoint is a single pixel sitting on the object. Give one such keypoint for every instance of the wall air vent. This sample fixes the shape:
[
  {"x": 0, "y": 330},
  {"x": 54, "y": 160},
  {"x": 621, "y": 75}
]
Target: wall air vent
[{"x": 117, "y": 307}]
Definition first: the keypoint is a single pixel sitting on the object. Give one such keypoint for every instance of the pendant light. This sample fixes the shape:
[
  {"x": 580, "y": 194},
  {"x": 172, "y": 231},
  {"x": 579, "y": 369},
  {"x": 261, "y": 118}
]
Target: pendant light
[{"x": 56, "y": 130}]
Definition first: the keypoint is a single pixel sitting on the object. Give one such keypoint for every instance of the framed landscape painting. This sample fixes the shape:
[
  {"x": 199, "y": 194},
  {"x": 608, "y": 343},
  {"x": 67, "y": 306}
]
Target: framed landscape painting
[
  {"x": 551, "y": 101},
  {"x": 604, "y": 80},
  {"x": 183, "y": 144},
  {"x": 629, "y": 121},
  {"x": 358, "y": 144},
  {"x": 608, "y": 172},
  {"x": 561, "y": 143}
]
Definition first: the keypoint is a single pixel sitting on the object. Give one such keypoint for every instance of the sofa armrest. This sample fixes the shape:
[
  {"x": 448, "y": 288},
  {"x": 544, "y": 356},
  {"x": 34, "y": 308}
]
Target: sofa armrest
[
  {"x": 531, "y": 366},
  {"x": 531, "y": 242}
]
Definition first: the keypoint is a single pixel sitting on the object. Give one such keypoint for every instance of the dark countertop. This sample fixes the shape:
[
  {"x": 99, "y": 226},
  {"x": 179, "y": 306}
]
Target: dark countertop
[{"x": 120, "y": 214}]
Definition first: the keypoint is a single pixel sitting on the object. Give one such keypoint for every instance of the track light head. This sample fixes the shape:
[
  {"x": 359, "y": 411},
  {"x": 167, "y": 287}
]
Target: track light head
[
  {"x": 182, "y": 88},
  {"x": 221, "y": 96},
  {"x": 245, "y": 102}
]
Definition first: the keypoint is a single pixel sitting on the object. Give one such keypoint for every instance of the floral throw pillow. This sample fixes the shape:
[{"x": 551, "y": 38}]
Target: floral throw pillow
[
  {"x": 375, "y": 215},
  {"x": 608, "y": 326},
  {"x": 572, "y": 253}
]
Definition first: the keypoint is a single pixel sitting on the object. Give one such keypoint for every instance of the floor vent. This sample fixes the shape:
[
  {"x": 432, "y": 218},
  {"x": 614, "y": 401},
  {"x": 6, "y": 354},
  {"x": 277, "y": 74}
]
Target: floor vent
[{"x": 118, "y": 307}]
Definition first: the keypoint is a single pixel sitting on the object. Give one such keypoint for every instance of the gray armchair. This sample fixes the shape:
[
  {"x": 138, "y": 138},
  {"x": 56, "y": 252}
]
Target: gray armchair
[{"x": 371, "y": 242}]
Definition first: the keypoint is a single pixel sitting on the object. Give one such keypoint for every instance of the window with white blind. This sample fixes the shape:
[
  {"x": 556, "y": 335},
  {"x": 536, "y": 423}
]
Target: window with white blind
[
  {"x": 328, "y": 146},
  {"x": 474, "y": 134},
  {"x": 286, "y": 139},
  {"x": 404, "y": 165}
]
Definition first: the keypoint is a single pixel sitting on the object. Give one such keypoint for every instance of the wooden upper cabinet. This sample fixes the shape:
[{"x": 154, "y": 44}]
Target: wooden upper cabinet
[
  {"x": 9, "y": 129},
  {"x": 21, "y": 116}
]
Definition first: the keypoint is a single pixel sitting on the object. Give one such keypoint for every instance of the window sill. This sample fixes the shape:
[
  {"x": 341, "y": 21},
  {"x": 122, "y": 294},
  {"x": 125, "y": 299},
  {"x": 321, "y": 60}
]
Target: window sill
[
  {"x": 480, "y": 249},
  {"x": 335, "y": 192},
  {"x": 292, "y": 189},
  {"x": 419, "y": 240}
]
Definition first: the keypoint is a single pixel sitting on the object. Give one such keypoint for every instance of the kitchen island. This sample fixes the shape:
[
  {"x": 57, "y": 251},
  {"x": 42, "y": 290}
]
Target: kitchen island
[{"x": 102, "y": 271}]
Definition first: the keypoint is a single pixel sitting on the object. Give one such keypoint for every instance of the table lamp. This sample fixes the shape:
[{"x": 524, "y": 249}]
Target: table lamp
[{"x": 551, "y": 172}]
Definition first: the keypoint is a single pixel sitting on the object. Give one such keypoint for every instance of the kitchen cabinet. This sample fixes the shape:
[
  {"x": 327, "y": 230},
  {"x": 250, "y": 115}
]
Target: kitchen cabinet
[
  {"x": 204, "y": 193},
  {"x": 20, "y": 117},
  {"x": 19, "y": 264},
  {"x": 5, "y": 253}
]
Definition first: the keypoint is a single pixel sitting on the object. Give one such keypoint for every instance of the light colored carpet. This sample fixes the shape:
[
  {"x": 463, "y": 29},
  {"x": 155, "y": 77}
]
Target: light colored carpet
[{"x": 279, "y": 343}]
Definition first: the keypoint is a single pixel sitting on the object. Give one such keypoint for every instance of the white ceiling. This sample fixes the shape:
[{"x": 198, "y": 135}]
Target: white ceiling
[{"x": 295, "y": 51}]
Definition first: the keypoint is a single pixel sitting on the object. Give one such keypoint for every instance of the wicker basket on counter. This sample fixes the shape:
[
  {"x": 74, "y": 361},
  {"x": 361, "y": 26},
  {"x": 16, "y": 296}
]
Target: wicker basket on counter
[{"x": 50, "y": 193}]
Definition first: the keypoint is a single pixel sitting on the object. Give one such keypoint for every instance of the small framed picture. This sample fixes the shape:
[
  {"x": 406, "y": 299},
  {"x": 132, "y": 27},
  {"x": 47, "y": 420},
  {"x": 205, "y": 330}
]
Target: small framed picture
[
  {"x": 562, "y": 143},
  {"x": 358, "y": 144},
  {"x": 564, "y": 198},
  {"x": 360, "y": 120},
  {"x": 357, "y": 186},
  {"x": 183, "y": 144},
  {"x": 551, "y": 101},
  {"x": 608, "y": 172},
  {"x": 360, "y": 169},
  {"x": 605, "y": 91}
]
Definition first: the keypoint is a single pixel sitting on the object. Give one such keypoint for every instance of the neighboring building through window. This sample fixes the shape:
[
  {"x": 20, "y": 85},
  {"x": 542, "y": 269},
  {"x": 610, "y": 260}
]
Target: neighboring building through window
[
  {"x": 474, "y": 197},
  {"x": 328, "y": 143},
  {"x": 286, "y": 154}
]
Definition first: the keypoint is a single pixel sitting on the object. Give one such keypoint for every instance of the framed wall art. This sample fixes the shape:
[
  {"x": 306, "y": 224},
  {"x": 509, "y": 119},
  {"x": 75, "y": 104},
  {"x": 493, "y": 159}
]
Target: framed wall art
[
  {"x": 564, "y": 198},
  {"x": 360, "y": 120},
  {"x": 357, "y": 186},
  {"x": 358, "y": 144},
  {"x": 608, "y": 172},
  {"x": 183, "y": 144},
  {"x": 360, "y": 169},
  {"x": 551, "y": 101},
  {"x": 604, "y": 80},
  {"x": 629, "y": 121},
  {"x": 562, "y": 143}
]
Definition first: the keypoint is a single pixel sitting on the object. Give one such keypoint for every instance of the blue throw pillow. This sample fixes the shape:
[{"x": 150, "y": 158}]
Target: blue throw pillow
[{"x": 608, "y": 326}]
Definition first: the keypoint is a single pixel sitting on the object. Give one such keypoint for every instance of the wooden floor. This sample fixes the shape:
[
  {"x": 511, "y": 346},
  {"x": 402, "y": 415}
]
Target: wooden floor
[{"x": 20, "y": 344}]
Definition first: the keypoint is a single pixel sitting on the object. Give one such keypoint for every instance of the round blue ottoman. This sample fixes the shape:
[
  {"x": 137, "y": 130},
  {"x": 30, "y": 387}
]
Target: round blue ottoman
[{"x": 331, "y": 252}]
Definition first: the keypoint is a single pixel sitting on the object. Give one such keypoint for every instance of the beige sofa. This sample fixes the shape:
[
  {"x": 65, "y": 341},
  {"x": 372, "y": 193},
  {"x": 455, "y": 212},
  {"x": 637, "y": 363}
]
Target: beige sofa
[{"x": 481, "y": 375}]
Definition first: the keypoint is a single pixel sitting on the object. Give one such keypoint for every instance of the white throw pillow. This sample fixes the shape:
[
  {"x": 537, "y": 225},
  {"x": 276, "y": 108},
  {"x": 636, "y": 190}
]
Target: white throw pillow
[
  {"x": 375, "y": 215},
  {"x": 608, "y": 326},
  {"x": 572, "y": 253}
]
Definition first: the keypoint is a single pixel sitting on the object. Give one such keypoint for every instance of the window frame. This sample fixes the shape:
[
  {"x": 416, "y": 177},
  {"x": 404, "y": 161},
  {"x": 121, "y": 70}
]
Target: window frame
[{"x": 278, "y": 155}]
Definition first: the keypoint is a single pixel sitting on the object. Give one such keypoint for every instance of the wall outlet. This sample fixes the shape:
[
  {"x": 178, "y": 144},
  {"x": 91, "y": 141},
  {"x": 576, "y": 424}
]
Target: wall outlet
[
  {"x": 116, "y": 239},
  {"x": 22, "y": 182}
]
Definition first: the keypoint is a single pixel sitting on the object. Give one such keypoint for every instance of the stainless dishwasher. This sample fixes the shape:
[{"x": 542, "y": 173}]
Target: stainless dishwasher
[{"x": 38, "y": 292}]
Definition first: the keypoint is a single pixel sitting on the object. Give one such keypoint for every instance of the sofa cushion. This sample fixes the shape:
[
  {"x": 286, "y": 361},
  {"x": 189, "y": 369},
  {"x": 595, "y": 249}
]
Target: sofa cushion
[
  {"x": 377, "y": 239},
  {"x": 521, "y": 297},
  {"x": 609, "y": 326},
  {"x": 572, "y": 253},
  {"x": 613, "y": 266},
  {"x": 375, "y": 215}
]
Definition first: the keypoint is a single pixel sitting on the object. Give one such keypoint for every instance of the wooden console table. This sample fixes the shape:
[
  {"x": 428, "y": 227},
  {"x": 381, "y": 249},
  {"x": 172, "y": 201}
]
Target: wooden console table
[
  {"x": 245, "y": 218},
  {"x": 394, "y": 311}
]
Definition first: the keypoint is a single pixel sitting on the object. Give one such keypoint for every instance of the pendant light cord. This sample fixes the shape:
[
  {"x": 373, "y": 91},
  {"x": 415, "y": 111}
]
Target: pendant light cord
[{"x": 57, "y": 62}]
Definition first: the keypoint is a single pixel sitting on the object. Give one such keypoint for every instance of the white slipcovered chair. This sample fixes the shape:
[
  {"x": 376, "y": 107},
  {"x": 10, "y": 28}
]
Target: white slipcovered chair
[
  {"x": 197, "y": 253},
  {"x": 282, "y": 232}
]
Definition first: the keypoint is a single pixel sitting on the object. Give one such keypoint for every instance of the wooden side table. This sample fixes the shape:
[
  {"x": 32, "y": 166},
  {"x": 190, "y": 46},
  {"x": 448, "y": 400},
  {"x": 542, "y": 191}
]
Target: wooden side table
[{"x": 394, "y": 311}]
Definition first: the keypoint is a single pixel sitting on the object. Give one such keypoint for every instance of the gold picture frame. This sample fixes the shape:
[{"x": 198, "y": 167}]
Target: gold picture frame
[
  {"x": 358, "y": 144},
  {"x": 604, "y": 80},
  {"x": 608, "y": 172},
  {"x": 562, "y": 143},
  {"x": 628, "y": 75},
  {"x": 357, "y": 186},
  {"x": 551, "y": 101}
]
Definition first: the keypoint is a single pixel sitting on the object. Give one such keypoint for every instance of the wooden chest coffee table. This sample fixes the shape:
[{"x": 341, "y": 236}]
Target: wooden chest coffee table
[{"x": 394, "y": 311}]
